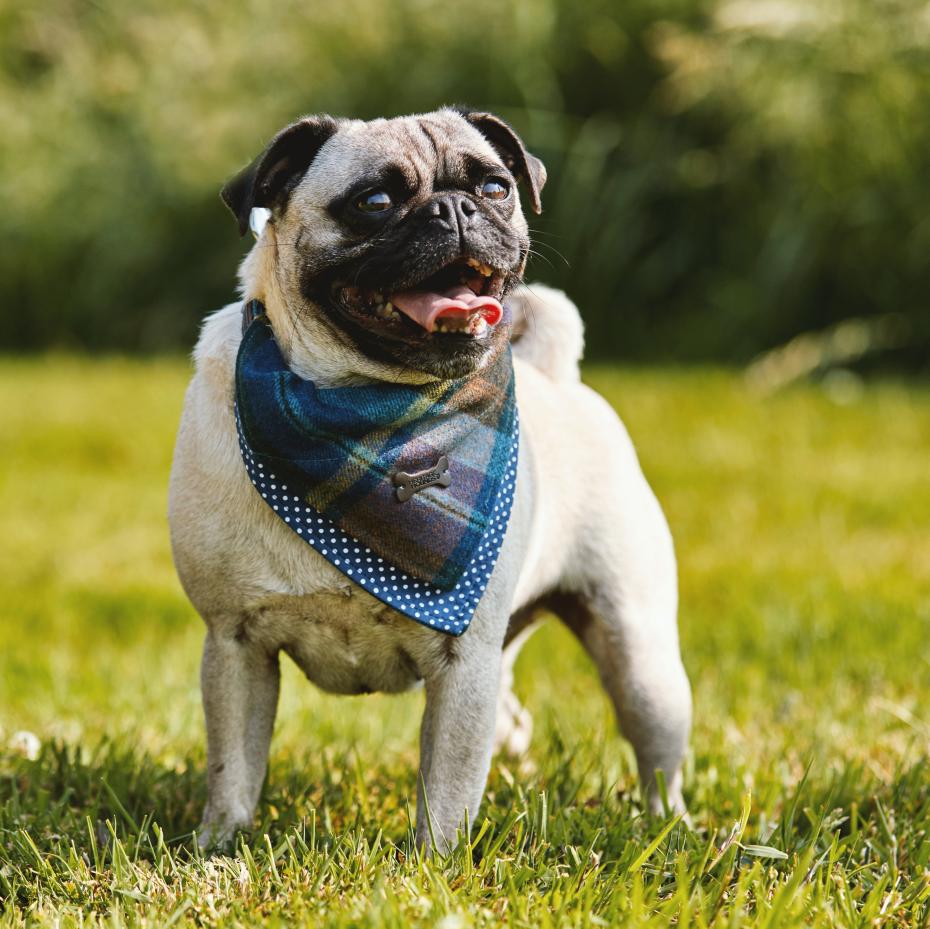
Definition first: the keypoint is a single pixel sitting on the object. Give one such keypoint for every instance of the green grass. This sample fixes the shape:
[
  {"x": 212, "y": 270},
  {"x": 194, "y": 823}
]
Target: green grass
[{"x": 802, "y": 533}]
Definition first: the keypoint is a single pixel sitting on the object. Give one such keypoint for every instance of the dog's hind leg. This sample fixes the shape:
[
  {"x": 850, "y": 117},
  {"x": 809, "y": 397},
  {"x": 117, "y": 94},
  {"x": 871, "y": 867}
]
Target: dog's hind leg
[
  {"x": 514, "y": 725},
  {"x": 239, "y": 681},
  {"x": 637, "y": 656}
]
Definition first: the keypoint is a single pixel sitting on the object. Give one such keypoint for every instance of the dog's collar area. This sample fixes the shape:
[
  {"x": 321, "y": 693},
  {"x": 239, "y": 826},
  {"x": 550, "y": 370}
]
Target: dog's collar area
[{"x": 251, "y": 310}]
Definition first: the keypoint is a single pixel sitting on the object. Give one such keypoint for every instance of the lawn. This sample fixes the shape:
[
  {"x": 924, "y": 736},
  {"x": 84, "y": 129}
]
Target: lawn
[{"x": 803, "y": 531}]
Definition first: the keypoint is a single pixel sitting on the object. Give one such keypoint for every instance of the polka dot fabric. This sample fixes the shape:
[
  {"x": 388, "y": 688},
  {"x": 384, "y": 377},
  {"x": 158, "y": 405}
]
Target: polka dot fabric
[{"x": 449, "y": 611}]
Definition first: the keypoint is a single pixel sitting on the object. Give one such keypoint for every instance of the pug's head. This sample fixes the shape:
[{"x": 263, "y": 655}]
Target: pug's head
[{"x": 397, "y": 238}]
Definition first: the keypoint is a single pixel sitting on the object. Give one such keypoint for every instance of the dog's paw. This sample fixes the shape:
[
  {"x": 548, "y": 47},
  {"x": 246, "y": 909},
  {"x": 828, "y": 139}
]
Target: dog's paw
[
  {"x": 218, "y": 836},
  {"x": 673, "y": 804}
]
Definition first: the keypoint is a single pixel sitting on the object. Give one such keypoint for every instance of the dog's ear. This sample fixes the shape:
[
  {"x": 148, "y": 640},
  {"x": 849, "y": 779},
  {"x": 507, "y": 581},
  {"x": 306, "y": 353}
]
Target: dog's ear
[
  {"x": 274, "y": 173},
  {"x": 521, "y": 164}
]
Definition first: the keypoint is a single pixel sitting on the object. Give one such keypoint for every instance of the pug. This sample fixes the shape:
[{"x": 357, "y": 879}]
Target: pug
[{"x": 390, "y": 266}]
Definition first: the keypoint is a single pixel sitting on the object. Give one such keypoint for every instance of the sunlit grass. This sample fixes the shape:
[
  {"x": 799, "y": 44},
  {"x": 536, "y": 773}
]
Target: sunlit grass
[{"x": 802, "y": 532}]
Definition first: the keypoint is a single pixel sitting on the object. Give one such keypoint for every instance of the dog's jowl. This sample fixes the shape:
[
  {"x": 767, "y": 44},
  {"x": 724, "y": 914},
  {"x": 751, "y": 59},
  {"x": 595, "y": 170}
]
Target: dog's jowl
[{"x": 387, "y": 466}]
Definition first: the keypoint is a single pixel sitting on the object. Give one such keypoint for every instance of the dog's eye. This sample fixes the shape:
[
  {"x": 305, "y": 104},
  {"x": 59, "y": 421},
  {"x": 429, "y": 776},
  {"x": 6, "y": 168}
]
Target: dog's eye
[
  {"x": 495, "y": 188},
  {"x": 374, "y": 201}
]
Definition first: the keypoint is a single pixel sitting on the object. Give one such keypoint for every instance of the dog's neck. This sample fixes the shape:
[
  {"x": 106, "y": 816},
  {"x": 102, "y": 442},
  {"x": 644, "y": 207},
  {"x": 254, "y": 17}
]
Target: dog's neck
[{"x": 312, "y": 347}]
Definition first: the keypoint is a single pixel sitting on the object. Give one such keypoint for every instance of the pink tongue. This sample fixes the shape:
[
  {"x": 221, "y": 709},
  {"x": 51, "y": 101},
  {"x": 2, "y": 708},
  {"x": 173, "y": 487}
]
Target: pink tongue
[{"x": 425, "y": 308}]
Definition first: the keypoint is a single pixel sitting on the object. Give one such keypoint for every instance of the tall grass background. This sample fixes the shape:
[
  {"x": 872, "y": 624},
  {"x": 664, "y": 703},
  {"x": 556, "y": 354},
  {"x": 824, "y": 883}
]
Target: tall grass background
[{"x": 724, "y": 174}]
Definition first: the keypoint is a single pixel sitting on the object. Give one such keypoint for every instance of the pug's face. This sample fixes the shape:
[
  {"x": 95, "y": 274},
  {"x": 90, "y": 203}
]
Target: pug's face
[{"x": 402, "y": 236}]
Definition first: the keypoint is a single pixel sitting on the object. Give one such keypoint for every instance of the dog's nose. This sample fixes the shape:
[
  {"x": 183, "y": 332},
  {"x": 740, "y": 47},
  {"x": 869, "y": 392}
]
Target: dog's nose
[{"x": 451, "y": 209}]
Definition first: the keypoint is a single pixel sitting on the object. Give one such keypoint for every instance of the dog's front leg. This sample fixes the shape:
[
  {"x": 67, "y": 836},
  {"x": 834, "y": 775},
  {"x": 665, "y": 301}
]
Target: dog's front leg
[
  {"x": 239, "y": 680},
  {"x": 456, "y": 741}
]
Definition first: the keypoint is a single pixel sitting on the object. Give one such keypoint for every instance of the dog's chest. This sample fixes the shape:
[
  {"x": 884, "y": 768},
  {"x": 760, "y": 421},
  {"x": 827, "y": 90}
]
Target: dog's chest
[{"x": 343, "y": 640}]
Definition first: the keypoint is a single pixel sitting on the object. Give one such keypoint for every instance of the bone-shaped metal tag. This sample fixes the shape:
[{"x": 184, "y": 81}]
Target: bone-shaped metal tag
[{"x": 409, "y": 484}]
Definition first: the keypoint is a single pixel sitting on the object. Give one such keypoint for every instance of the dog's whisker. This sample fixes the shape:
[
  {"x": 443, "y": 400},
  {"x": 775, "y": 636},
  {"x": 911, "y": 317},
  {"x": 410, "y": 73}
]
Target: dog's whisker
[
  {"x": 557, "y": 253},
  {"x": 534, "y": 254}
]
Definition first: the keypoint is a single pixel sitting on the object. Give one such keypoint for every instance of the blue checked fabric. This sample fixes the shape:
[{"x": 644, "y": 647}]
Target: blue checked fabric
[{"x": 323, "y": 460}]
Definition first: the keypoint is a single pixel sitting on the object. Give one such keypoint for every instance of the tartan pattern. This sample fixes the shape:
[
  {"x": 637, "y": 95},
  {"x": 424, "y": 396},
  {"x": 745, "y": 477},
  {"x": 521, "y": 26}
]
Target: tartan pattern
[{"x": 338, "y": 448}]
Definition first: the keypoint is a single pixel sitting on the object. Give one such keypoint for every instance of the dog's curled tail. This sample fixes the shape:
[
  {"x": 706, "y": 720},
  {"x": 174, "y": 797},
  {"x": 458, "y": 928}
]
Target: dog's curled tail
[{"x": 547, "y": 331}]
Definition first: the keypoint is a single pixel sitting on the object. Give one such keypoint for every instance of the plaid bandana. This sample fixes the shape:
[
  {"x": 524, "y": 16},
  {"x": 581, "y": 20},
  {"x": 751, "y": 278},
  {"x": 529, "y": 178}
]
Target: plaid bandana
[{"x": 414, "y": 481}]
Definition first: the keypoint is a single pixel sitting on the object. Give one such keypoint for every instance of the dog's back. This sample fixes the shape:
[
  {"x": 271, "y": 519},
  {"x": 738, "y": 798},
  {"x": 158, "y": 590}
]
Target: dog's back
[{"x": 547, "y": 331}]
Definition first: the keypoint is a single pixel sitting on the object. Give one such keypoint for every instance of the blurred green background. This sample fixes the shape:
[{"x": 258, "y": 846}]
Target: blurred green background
[{"x": 724, "y": 174}]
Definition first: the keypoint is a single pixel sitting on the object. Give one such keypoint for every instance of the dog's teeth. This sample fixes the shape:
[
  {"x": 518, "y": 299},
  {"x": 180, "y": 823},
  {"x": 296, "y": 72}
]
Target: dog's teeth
[
  {"x": 479, "y": 326},
  {"x": 386, "y": 311},
  {"x": 483, "y": 269}
]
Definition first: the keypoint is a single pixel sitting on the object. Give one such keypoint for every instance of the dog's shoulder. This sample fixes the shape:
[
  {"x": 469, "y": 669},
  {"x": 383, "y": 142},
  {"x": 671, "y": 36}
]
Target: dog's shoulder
[
  {"x": 207, "y": 429},
  {"x": 220, "y": 335}
]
